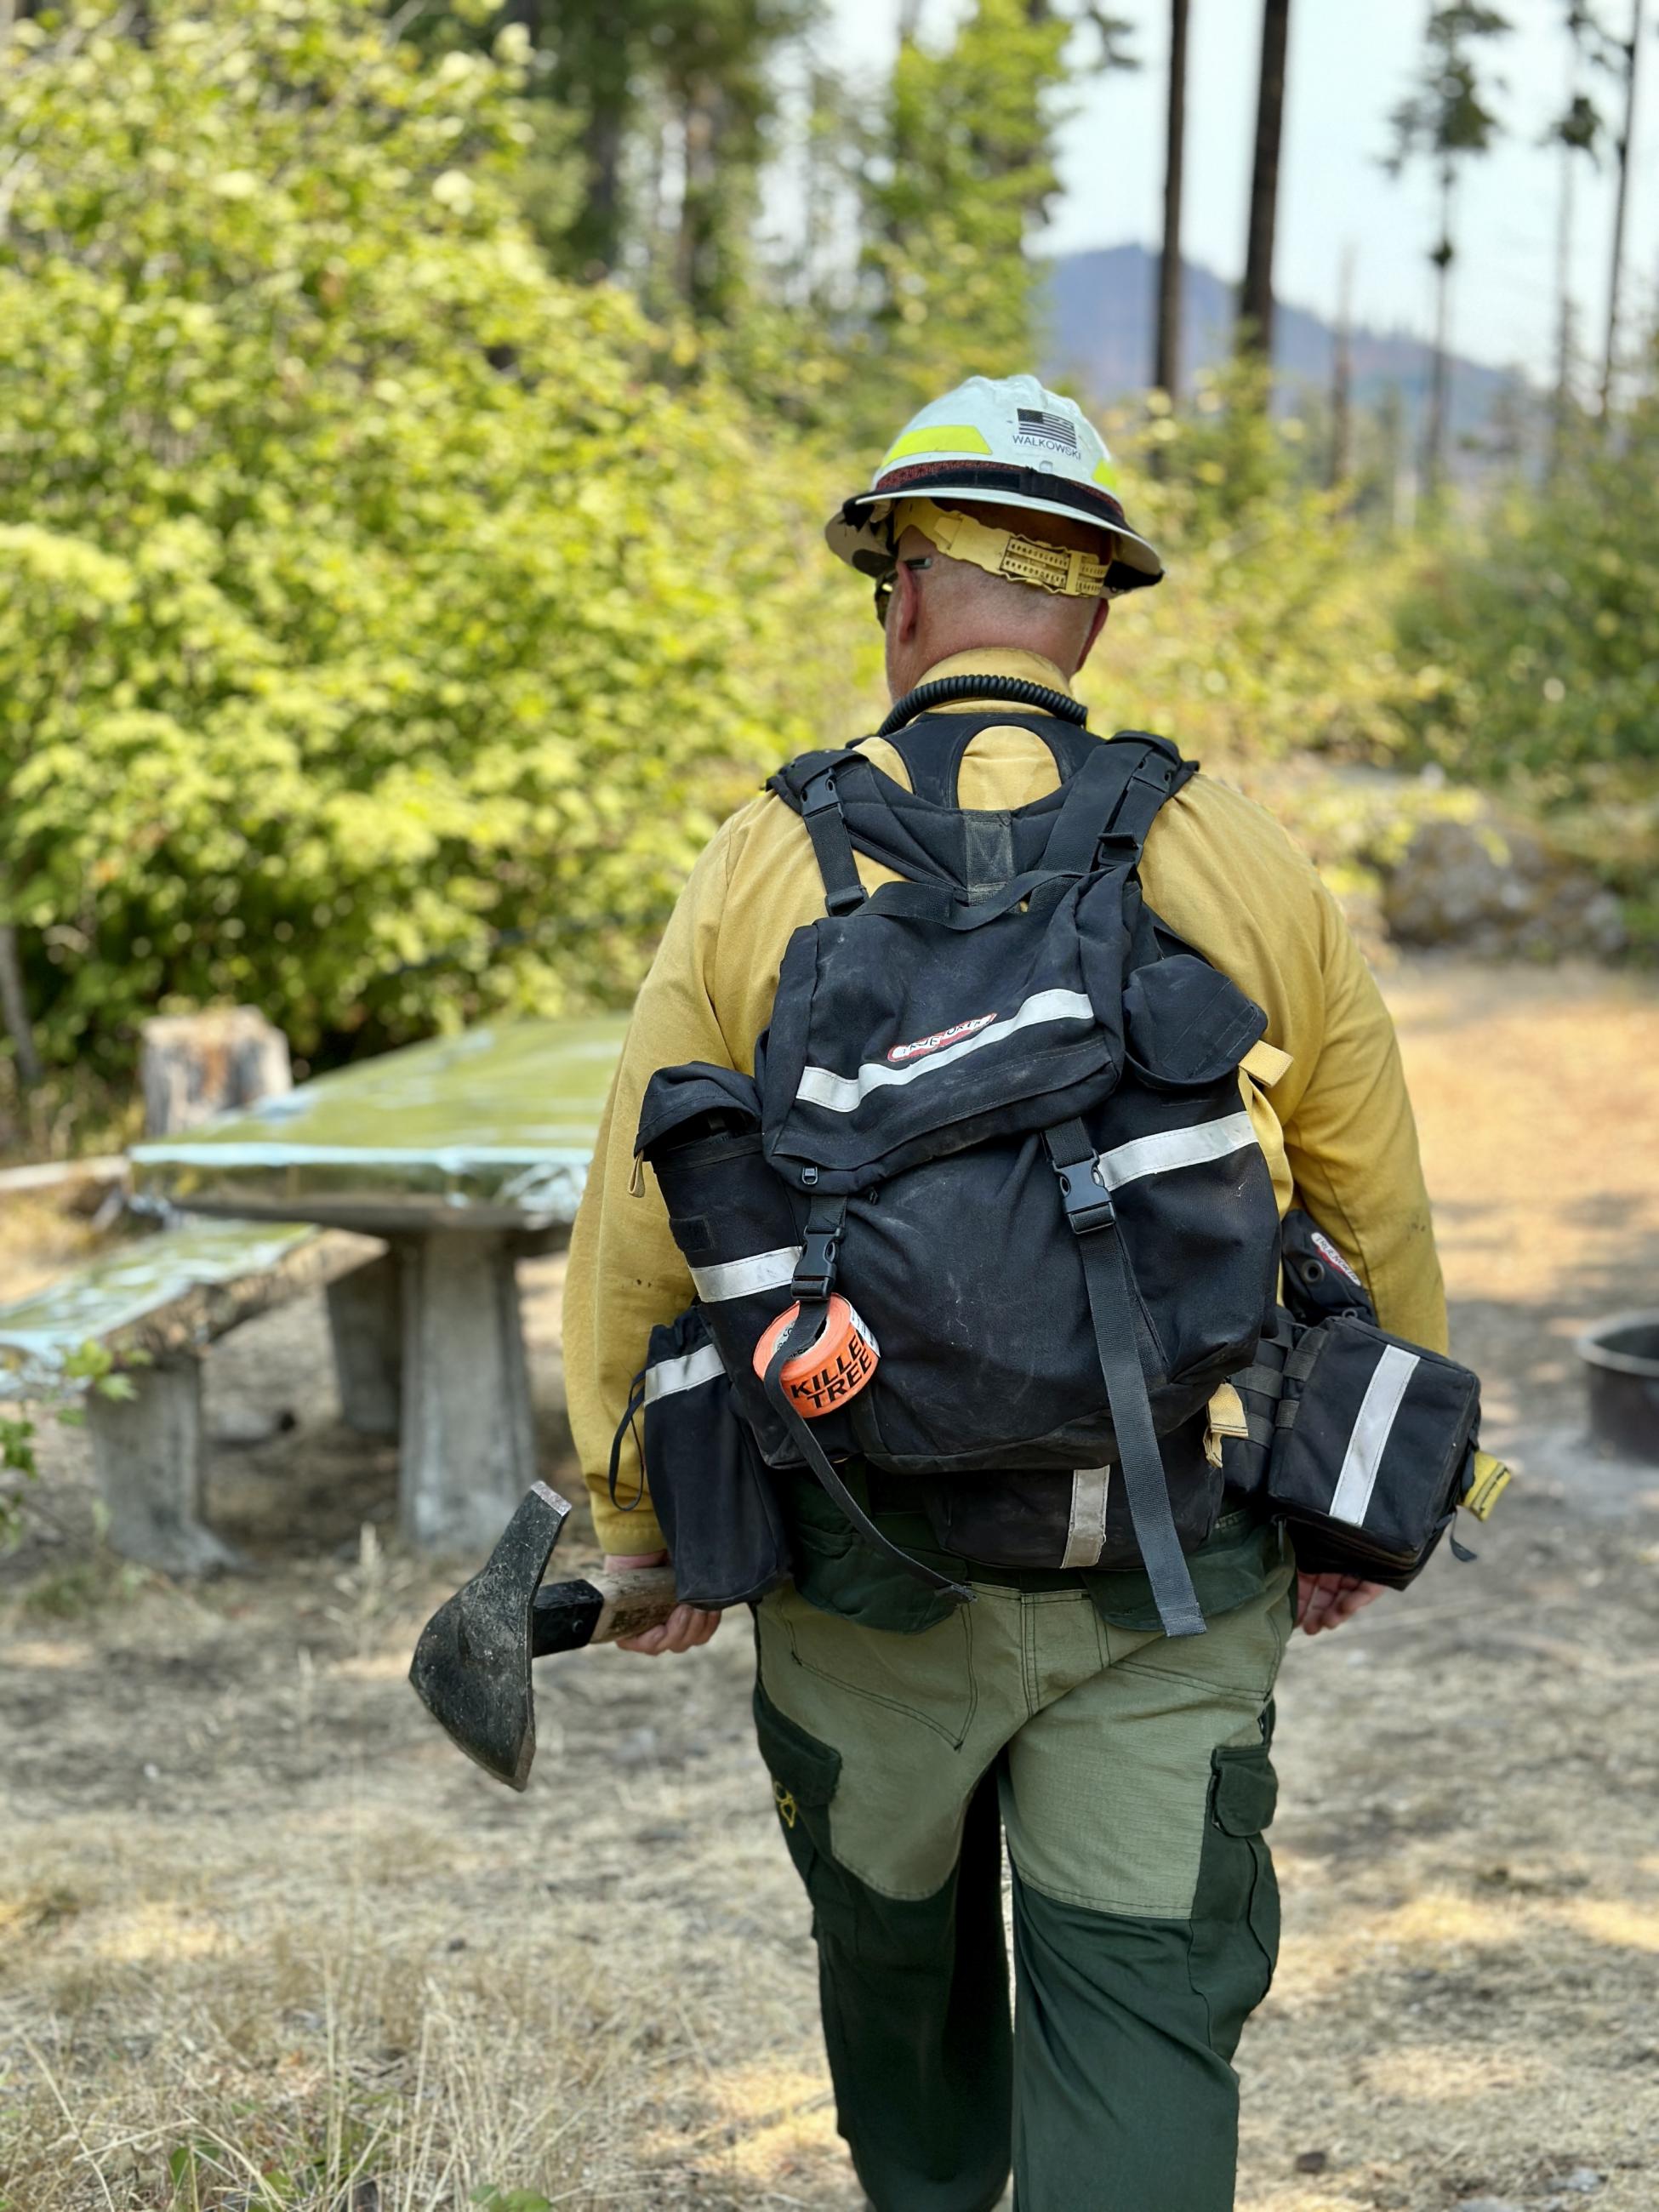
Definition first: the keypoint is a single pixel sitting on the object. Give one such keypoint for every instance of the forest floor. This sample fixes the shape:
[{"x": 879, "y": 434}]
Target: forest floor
[{"x": 266, "y": 1939}]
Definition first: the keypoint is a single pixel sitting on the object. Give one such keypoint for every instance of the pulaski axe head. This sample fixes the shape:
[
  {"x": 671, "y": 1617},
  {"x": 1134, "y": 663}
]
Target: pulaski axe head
[{"x": 471, "y": 1666}]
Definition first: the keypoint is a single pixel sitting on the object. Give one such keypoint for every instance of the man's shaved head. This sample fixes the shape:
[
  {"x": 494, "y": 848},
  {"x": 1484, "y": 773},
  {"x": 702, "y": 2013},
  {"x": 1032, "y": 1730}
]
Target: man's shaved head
[{"x": 953, "y": 607}]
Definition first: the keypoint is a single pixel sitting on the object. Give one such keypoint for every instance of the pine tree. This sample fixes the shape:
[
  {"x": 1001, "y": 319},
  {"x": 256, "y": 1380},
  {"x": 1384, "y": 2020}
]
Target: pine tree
[
  {"x": 1166, "y": 364},
  {"x": 1576, "y": 132},
  {"x": 1446, "y": 120},
  {"x": 1256, "y": 298},
  {"x": 1629, "y": 52}
]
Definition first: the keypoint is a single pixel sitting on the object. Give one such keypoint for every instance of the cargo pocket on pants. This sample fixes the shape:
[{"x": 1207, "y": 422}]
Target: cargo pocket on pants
[
  {"x": 806, "y": 1775},
  {"x": 1235, "y": 1942}
]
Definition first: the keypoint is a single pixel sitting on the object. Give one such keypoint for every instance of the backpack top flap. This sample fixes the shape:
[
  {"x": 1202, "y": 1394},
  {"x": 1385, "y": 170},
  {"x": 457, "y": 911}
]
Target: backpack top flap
[
  {"x": 897, "y": 1035},
  {"x": 918, "y": 1020}
]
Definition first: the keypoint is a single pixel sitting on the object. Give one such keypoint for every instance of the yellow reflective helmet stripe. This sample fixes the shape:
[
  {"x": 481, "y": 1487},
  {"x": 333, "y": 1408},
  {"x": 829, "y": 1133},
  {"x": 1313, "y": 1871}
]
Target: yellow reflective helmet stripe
[
  {"x": 1058, "y": 568},
  {"x": 1106, "y": 473},
  {"x": 937, "y": 438}
]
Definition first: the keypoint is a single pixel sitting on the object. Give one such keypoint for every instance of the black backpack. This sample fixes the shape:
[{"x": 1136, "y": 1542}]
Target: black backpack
[{"x": 998, "y": 1106}]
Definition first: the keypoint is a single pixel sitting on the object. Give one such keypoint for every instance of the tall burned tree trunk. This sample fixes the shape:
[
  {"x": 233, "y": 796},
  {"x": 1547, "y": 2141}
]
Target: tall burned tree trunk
[
  {"x": 13, "y": 1009},
  {"x": 1563, "y": 311},
  {"x": 1342, "y": 377},
  {"x": 1610, "y": 356},
  {"x": 1166, "y": 363},
  {"x": 1434, "y": 435},
  {"x": 699, "y": 272},
  {"x": 1256, "y": 298},
  {"x": 597, "y": 51}
]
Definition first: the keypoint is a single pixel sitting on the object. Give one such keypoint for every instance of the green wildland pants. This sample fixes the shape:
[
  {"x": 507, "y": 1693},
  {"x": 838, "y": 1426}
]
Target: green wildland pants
[{"x": 1133, "y": 1778}]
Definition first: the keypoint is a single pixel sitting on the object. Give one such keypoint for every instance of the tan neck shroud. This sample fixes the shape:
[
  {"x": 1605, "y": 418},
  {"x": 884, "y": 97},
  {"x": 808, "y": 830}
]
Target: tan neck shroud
[{"x": 1058, "y": 568}]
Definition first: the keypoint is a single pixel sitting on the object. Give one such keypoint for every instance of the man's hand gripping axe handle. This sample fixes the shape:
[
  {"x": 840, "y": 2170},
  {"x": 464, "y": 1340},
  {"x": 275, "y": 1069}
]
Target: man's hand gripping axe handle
[{"x": 471, "y": 1666}]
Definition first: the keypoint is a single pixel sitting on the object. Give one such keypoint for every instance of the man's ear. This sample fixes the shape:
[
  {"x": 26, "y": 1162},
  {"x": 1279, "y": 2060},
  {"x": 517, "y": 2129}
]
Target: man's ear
[{"x": 1097, "y": 624}]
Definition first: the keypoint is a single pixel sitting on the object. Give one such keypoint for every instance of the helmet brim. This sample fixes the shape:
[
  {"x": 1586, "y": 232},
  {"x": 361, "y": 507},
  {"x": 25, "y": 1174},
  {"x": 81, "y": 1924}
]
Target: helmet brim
[{"x": 857, "y": 531}]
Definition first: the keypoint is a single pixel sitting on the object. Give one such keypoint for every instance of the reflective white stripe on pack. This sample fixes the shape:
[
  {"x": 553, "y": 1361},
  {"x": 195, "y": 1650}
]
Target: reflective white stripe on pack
[
  {"x": 741, "y": 1278},
  {"x": 1371, "y": 1431},
  {"x": 1174, "y": 1148},
  {"x": 1085, "y": 1531},
  {"x": 669, "y": 1376},
  {"x": 842, "y": 1094}
]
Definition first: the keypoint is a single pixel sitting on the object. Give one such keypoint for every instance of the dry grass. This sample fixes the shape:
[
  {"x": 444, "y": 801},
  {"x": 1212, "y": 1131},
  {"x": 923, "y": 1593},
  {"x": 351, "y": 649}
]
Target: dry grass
[
  {"x": 266, "y": 1939},
  {"x": 178, "y": 2062}
]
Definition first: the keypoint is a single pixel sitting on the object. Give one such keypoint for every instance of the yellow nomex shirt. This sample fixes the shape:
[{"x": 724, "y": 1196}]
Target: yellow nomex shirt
[{"x": 1335, "y": 1123}]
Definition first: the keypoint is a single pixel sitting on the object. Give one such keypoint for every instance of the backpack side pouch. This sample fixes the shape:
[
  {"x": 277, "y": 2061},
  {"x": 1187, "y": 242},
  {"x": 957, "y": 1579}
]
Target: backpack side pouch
[
  {"x": 736, "y": 1226},
  {"x": 711, "y": 1491},
  {"x": 1373, "y": 1450}
]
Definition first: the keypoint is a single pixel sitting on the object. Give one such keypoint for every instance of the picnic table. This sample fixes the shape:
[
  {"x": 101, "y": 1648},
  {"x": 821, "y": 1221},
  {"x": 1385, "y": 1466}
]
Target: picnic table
[{"x": 463, "y": 1155}]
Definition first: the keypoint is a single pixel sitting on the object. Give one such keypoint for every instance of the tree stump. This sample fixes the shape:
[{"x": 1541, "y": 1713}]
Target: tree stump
[{"x": 192, "y": 1066}]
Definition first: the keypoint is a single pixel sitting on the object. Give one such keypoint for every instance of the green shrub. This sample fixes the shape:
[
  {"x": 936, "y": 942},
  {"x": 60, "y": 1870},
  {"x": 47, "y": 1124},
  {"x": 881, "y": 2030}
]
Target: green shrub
[
  {"x": 1530, "y": 653},
  {"x": 1270, "y": 633},
  {"x": 382, "y": 629}
]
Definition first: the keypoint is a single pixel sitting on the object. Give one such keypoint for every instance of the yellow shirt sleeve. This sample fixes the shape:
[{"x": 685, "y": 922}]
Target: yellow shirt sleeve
[
  {"x": 626, "y": 1274},
  {"x": 1352, "y": 1142},
  {"x": 1224, "y": 874}
]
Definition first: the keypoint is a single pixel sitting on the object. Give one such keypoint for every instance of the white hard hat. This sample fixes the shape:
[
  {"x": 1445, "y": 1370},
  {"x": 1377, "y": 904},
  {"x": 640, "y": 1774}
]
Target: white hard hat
[{"x": 1001, "y": 442}]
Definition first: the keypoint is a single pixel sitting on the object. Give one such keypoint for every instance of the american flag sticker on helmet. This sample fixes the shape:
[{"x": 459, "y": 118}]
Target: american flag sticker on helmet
[{"x": 1037, "y": 427}]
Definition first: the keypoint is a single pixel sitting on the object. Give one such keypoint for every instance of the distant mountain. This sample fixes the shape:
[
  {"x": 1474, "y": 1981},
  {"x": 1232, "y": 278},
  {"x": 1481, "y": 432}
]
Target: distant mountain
[{"x": 1099, "y": 309}]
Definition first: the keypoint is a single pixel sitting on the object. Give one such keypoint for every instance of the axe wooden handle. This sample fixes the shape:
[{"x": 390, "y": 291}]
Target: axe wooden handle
[
  {"x": 567, "y": 1616},
  {"x": 632, "y": 1600}
]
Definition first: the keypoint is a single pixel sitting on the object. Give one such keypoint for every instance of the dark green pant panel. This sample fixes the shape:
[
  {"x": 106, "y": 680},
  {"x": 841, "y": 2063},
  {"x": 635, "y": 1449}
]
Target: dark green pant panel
[
  {"x": 917, "y": 2029},
  {"x": 1122, "y": 2101}
]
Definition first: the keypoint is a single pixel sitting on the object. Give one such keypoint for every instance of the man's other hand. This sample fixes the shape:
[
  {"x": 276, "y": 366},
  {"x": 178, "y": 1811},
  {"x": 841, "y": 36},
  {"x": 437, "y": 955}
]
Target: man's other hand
[
  {"x": 1327, "y": 1600},
  {"x": 683, "y": 1627}
]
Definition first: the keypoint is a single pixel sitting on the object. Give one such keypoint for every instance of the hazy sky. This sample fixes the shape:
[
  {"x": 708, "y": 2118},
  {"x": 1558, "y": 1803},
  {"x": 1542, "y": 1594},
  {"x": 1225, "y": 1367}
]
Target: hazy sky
[{"x": 1349, "y": 63}]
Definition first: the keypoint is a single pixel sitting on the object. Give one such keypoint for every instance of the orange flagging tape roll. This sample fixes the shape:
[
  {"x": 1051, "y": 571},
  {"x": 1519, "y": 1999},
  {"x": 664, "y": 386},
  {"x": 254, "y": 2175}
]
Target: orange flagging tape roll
[{"x": 830, "y": 1372}]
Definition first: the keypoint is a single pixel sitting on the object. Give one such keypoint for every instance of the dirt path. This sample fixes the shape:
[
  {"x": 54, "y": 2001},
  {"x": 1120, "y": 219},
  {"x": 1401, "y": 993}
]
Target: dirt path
[{"x": 248, "y": 1897}]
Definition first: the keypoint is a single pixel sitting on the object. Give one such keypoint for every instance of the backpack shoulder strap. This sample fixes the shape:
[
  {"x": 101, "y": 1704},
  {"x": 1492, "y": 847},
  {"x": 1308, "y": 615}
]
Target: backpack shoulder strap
[
  {"x": 807, "y": 786},
  {"x": 1158, "y": 774},
  {"x": 932, "y": 746},
  {"x": 1116, "y": 794},
  {"x": 931, "y": 749},
  {"x": 1115, "y": 790}
]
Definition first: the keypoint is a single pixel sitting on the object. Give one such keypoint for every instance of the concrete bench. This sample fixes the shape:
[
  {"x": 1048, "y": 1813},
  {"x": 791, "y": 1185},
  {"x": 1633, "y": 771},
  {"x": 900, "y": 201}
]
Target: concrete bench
[
  {"x": 155, "y": 1305},
  {"x": 466, "y": 1154}
]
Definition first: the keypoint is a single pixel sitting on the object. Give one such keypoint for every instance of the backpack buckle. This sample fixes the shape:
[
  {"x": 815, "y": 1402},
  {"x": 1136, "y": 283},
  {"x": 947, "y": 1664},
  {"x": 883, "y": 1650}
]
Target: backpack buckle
[
  {"x": 815, "y": 1270},
  {"x": 1087, "y": 1202}
]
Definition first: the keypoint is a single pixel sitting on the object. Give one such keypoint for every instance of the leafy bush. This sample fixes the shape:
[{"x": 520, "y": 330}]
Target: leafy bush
[
  {"x": 367, "y": 596},
  {"x": 1532, "y": 654},
  {"x": 1270, "y": 633}
]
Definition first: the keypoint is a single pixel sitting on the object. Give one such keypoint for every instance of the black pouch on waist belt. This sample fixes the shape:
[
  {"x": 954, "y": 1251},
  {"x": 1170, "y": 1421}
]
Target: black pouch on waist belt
[
  {"x": 1373, "y": 1451},
  {"x": 710, "y": 1489},
  {"x": 1364, "y": 1444}
]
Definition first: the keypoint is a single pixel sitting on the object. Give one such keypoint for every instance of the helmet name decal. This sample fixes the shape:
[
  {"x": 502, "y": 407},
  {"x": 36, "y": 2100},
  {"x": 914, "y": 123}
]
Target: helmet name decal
[
  {"x": 1039, "y": 428},
  {"x": 901, "y": 1053}
]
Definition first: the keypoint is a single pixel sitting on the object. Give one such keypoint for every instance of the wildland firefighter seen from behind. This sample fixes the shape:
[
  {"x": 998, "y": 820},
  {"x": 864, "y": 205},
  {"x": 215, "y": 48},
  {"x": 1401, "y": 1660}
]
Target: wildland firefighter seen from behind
[{"x": 1007, "y": 1268}]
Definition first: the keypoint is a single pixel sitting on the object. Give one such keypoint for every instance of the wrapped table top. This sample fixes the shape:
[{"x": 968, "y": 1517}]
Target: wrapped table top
[{"x": 492, "y": 1129}]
